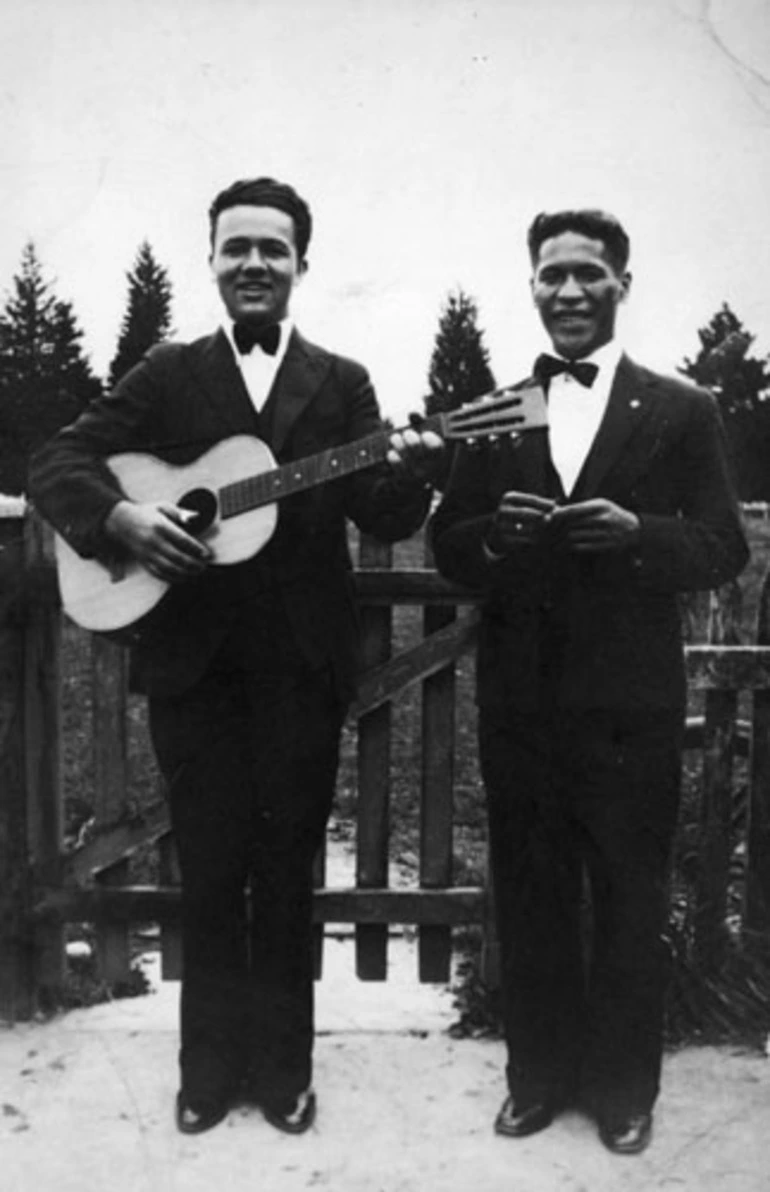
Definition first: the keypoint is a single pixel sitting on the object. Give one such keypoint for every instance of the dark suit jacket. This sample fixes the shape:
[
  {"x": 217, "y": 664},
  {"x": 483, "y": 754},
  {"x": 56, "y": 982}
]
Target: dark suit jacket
[
  {"x": 178, "y": 402},
  {"x": 601, "y": 631}
]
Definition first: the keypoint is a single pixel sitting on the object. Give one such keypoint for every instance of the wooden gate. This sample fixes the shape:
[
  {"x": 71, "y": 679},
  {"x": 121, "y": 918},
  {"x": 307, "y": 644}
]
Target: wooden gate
[
  {"x": 89, "y": 881},
  {"x": 45, "y": 885}
]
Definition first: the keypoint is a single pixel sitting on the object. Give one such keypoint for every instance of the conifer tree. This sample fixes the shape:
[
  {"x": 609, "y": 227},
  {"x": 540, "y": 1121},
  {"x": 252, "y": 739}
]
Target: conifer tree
[
  {"x": 741, "y": 385},
  {"x": 45, "y": 378},
  {"x": 459, "y": 367},
  {"x": 147, "y": 320}
]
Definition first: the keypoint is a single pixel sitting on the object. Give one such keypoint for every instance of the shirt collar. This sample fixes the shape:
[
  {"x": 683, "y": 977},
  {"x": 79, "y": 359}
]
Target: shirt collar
[{"x": 606, "y": 358}]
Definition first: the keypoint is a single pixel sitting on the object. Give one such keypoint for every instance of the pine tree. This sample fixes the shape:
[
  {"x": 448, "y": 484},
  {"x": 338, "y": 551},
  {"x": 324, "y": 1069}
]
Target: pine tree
[
  {"x": 45, "y": 379},
  {"x": 459, "y": 367},
  {"x": 147, "y": 320},
  {"x": 741, "y": 385}
]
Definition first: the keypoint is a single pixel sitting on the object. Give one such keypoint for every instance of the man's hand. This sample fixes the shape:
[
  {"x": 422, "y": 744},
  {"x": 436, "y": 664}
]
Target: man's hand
[
  {"x": 595, "y": 527},
  {"x": 153, "y": 534},
  {"x": 416, "y": 453},
  {"x": 521, "y": 520}
]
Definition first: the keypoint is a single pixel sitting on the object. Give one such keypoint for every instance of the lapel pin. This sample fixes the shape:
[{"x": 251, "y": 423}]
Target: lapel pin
[{"x": 635, "y": 404}]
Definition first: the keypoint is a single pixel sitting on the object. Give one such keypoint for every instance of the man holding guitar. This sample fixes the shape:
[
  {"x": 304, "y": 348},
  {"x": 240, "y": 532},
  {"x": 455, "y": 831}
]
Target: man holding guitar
[{"x": 248, "y": 666}]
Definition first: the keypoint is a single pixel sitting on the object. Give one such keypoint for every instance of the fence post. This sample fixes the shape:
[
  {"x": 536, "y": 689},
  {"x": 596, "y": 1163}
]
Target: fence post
[
  {"x": 17, "y": 993},
  {"x": 110, "y": 758},
  {"x": 757, "y": 895},
  {"x": 42, "y": 694},
  {"x": 373, "y": 777},
  {"x": 715, "y": 833},
  {"x": 719, "y": 743},
  {"x": 437, "y": 795}
]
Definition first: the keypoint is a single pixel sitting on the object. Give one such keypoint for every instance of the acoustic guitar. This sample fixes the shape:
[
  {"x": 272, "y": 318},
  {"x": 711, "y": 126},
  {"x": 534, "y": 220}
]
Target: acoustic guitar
[{"x": 232, "y": 492}]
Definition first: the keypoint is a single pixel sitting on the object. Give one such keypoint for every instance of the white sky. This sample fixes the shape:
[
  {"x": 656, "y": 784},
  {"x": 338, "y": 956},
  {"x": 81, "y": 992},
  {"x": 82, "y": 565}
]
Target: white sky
[{"x": 425, "y": 134}]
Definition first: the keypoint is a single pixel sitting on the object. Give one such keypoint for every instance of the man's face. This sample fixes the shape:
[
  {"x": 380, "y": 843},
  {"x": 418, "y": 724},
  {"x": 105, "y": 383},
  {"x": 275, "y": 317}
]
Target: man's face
[
  {"x": 255, "y": 264},
  {"x": 577, "y": 291}
]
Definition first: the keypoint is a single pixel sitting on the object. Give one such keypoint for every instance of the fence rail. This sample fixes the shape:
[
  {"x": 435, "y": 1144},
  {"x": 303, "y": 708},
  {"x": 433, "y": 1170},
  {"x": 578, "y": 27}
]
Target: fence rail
[{"x": 45, "y": 886}]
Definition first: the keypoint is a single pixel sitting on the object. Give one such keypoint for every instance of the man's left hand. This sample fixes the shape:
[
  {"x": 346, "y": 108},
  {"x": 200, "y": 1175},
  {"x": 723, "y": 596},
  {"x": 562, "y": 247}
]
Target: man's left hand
[
  {"x": 417, "y": 454},
  {"x": 595, "y": 527}
]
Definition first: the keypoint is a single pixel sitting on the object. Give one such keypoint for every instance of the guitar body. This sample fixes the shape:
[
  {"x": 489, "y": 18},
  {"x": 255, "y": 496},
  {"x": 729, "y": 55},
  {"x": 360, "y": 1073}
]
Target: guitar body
[
  {"x": 107, "y": 598},
  {"x": 242, "y": 473}
]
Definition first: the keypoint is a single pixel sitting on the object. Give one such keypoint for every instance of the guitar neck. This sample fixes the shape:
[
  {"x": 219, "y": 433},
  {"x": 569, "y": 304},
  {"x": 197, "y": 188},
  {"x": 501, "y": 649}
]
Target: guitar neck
[{"x": 314, "y": 470}]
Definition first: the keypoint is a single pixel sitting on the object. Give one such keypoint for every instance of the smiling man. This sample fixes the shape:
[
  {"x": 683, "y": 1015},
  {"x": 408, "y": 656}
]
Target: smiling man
[
  {"x": 250, "y": 667},
  {"x": 579, "y": 541}
]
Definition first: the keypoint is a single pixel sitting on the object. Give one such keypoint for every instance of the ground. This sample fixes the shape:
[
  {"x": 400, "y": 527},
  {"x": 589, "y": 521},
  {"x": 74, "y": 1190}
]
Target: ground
[{"x": 86, "y": 1105}]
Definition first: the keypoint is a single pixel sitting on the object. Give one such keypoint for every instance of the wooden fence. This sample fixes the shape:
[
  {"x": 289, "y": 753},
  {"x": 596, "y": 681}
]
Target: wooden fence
[{"x": 45, "y": 886}]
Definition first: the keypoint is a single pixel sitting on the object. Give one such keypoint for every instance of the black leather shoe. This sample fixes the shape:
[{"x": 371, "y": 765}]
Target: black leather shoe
[
  {"x": 193, "y": 1117},
  {"x": 518, "y": 1121},
  {"x": 626, "y": 1136},
  {"x": 294, "y": 1116}
]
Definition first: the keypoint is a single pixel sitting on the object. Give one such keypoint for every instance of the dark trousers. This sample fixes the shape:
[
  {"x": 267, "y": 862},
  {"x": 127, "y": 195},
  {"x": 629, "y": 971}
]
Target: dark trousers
[
  {"x": 576, "y": 802},
  {"x": 251, "y": 765}
]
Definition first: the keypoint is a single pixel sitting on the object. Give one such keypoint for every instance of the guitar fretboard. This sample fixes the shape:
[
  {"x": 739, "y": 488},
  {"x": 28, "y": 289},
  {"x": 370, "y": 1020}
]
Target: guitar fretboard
[{"x": 267, "y": 487}]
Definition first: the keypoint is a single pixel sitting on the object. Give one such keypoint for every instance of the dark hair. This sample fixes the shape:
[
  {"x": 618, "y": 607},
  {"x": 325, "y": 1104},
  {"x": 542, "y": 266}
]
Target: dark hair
[
  {"x": 265, "y": 192},
  {"x": 598, "y": 225}
]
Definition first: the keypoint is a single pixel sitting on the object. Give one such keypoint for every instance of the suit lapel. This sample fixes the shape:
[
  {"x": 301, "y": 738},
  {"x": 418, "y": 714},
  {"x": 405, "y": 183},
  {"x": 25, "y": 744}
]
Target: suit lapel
[
  {"x": 217, "y": 375},
  {"x": 630, "y": 403},
  {"x": 298, "y": 380}
]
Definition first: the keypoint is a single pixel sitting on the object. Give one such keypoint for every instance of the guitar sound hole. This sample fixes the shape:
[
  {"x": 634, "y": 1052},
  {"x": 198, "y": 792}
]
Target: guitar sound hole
[{"x": 202, "y": 503}]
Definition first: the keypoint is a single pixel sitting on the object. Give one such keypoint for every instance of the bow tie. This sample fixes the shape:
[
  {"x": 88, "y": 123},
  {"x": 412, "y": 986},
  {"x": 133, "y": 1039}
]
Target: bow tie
[
  {"x": 552, "y": 366},
  {"x": 268, "y": 338}
]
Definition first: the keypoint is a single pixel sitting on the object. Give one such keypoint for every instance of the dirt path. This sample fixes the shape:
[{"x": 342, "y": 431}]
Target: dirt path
[{"x": 86, "y": 1106}]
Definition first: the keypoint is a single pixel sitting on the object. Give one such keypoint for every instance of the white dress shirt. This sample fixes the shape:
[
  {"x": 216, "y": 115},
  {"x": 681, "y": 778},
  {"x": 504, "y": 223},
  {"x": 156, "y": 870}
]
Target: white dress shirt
[
  {"x": 257, "y": 368},
  {"x": 575, "y": 412}
]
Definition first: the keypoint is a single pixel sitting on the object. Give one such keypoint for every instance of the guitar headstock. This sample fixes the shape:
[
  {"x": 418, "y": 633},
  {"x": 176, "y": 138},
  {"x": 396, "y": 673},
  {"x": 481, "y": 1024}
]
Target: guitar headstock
[{"x": 503, "y": 412}]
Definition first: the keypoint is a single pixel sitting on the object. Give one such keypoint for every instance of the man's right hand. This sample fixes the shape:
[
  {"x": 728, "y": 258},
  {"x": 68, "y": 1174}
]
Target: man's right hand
[
  {"x": 520, "y": 520},
  {"x": 154, "y": 535}
]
